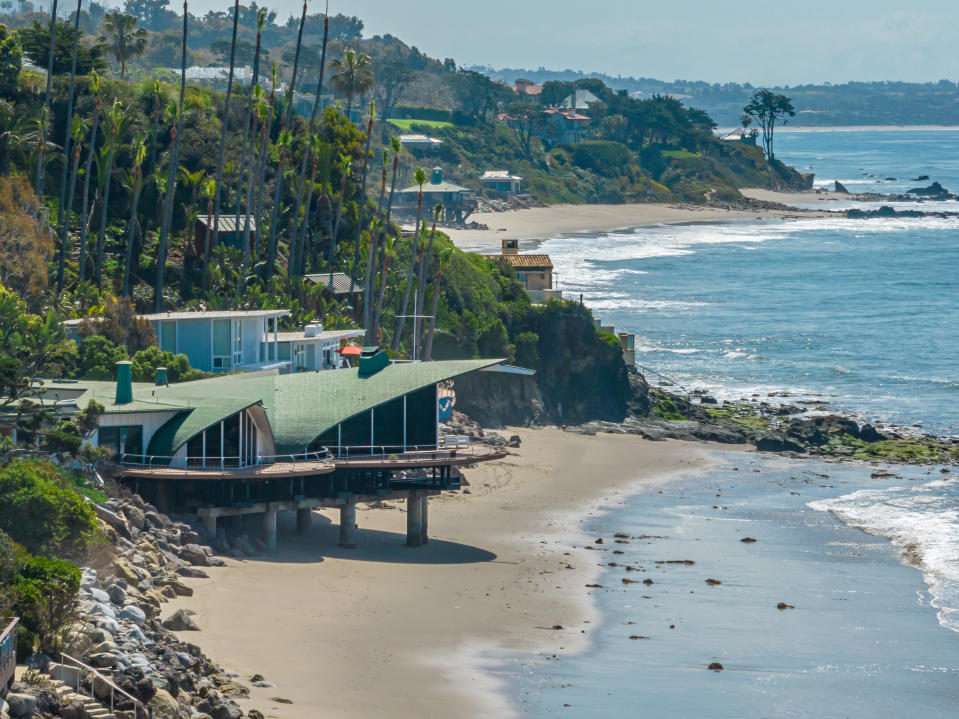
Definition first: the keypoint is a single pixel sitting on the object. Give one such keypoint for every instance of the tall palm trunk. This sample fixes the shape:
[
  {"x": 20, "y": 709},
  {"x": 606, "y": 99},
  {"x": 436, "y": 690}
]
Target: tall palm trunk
[
  {"x": 386, "y": 230},
  {"x": 105, "y": 205},
  {"x": 64, "y": 209},
  {"x": 298, "y": 257},
  {"x": 336, "y": 224},
  {"x": 248, "y": 126},
  {"x": 84, "y": 219},
  {"x": 46, "y": 101},
  {"x": 370, "y": 286},
  {"x": 74, "y": 170},
  {"x": 171, "y": 177},
  {"x": 361, "y": 205},
  {"x": 248, "y": 199},
  {"x": 401, "y": 321},
  {"x": 205, "y": 275},
  {"x": 428, "y": 349},
  {"x": 223, "y": 129},
  {"x": 131, "y": 233},
  {"x": 421, "y": 277},
  {"x": 299, "y": 227},
  {"x": 281, "y": 160},
  {"x": 261, "y": 179}
]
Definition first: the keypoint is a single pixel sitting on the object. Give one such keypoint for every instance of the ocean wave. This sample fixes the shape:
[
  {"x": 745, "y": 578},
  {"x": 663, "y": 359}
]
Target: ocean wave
[{"x": 923, "y": 521}]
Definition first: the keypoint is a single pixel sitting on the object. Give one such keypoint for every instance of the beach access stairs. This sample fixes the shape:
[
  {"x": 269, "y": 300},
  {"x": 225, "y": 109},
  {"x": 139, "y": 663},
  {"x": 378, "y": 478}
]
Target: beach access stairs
[{"x": 78, "y": 683}]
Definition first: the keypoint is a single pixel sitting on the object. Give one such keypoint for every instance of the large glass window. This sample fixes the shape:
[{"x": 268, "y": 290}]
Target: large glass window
[
  {"x": 123, "y": 440},
  {"x": 222, "y": 344}
]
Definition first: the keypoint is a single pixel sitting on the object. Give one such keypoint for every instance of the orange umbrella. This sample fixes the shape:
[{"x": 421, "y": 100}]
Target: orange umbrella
[{"x": 353, "y": 350}]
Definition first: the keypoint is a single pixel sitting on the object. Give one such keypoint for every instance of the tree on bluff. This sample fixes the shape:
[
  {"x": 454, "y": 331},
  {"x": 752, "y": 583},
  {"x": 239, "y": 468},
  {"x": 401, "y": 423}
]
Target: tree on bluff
[{"x": 767, "y": 108}]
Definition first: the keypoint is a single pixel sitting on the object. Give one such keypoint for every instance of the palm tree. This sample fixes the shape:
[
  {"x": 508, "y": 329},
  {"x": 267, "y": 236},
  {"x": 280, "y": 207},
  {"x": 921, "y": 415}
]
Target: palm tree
[
  {"x": 421, "y": 276},
  {"x": 125, "y": 38},
  {"x": 420, "y": 177},
  {"x": 77, "y": 131},
  {"x": 171, "y": 176},
  {"x": 281, "y": 160},
  {"x": 249, "y": 125},
  {"x": 91, "y": 153},
  {"x": 115, "y": 118},
  {"x": 264, "y": 159},
  {"x": 157, "y": 96},
  {"x": 361, "y": 202},
  {"x": 296, "y": 241},
  {"x": 259, "y": 108},
  {"x": 345, "y": 166},
  {"x": 223, "y": 128},
  {"x": 375, "y": 232},
  {"x": 46, "y": 100},
  {"x": 139, "y": 152},
  {"x": 299, "y": 236},
  {"x": 207, "y": 190},
  {"x": 64, "y": 209},
  {"x": 352, "y": 76}
]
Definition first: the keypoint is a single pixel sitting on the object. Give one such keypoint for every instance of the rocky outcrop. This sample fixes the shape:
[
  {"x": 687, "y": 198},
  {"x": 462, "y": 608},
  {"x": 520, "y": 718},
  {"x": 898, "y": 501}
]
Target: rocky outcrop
[
  {"x": 935, "y": 191},
  {"x": 841, "y": 188},
  {"x": 883, "y": 212}
]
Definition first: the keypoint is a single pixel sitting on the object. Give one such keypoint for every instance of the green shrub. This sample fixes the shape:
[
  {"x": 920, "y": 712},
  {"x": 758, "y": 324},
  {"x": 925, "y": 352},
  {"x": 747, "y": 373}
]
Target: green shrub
[
  {"x": 46, "y": 599},
  {"x": 609, "y": 159},
  {"x": 178, "y": 367},
  {"x": 41, "y": 511},
  {"x": 98, "y": 357}
]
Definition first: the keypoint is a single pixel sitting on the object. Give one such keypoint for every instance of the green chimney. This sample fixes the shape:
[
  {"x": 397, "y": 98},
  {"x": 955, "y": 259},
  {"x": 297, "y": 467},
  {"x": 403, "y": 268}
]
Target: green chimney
[
  {"x": 161, "y": 377},
  {"x": 124, "y": 393}
]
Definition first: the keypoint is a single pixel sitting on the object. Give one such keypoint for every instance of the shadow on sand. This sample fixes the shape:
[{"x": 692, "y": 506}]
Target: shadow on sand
[{"x": 371, "y": 546}]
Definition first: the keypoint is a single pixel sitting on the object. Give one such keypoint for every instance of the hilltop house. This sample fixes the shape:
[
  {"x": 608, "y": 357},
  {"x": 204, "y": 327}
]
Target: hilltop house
[
  {"x": 500, "y": 183},
  {"x": 419, "y": 144},
  {"x": 535, "y": 272},
  {"x": 224, "y": 230},
  {"x": 458, "y": 202},
  {"x": 579, "y": 100},
  {"x": 564, "y": 127},
  {"x": 341, "y": 287},
  {"x": 240, "y": 445}
]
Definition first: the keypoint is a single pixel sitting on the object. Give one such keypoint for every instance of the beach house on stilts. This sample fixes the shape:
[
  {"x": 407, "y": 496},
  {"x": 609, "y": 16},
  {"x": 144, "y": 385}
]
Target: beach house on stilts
[{"x": 262, "y": 443}]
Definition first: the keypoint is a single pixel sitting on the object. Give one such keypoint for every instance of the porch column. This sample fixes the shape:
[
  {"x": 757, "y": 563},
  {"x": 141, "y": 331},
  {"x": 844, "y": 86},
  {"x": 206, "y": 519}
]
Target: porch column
[
  {"x": 348, "y": 524},
  {"x": 414, "y": 519},
  {"x": 304, "y": 521},
  {"x": 424, "y": 523},
  {"x": 268, "y": 529},
  {"x": 209, "y": 525}
]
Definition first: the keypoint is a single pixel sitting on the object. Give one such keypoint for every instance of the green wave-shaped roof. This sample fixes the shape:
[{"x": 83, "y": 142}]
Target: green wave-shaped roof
[{"x": 300, "y": 406}]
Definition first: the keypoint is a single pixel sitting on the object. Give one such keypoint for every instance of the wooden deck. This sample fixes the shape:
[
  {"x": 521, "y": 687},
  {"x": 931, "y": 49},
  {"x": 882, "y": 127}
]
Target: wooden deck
[
  {"x": 442, "y": 457},
  {"x": 278, "y": 470}
]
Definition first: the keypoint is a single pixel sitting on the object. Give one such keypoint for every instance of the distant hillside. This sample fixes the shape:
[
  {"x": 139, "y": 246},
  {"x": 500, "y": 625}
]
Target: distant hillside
[{"x": 853, "y": 103}]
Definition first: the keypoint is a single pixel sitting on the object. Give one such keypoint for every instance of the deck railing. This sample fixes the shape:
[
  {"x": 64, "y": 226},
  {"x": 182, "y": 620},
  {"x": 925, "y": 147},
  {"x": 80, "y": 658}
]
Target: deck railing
[
  {"x": 150, "y": 461},
  {"x": 445, "y": 450},
  {"x": 140, "y": 709},
  {"x": 8, "y": 652}
]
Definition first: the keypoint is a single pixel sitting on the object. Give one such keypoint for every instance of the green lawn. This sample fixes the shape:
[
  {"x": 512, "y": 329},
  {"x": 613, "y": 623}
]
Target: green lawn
[
  {"x": 679, "y": 153},
  {"x": 407, "y": 125}
]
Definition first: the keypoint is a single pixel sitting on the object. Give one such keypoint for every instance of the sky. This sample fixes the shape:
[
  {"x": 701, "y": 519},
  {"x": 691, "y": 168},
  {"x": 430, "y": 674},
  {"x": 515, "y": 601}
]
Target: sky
[{"x": 770, "y": 43}]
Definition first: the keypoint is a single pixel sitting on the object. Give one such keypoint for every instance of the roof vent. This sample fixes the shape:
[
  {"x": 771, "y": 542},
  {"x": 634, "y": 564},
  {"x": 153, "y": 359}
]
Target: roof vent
[
  {"x": 124, "y": 393},
  {"x": 437, "y": 175},
  {"x": 314, "y": 329},
  {"x": 161, "y": 380},
  {"x": 372, "y": 361}
]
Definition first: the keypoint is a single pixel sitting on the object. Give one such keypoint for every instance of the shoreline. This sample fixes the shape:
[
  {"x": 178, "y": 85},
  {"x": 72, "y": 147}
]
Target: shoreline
[
  {"x": 543, "y": 223},
  {"x": 322, "y": 623}
]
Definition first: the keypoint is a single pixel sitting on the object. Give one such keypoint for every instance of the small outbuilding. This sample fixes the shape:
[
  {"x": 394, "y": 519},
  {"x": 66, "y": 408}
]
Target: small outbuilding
[{"x": 500, "y": 183}]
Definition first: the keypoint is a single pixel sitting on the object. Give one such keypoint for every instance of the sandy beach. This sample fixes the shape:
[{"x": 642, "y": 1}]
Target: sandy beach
[
  {"x": 383, "y": 630},
  {"x": 547, "y": 222}
]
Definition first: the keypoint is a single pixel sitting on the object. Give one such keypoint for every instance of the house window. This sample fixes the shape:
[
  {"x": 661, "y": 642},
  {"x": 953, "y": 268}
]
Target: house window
[
  {"x": 123, "y": 440},
  {"x": 168, "y": 336},
  {"x": 237, "y": 343},
  {"x": 222, "y": 335}
]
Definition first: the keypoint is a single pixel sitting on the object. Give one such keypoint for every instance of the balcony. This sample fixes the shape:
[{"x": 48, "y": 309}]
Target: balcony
[
  {"x": 456, "y": 451},
  {"x": 200, "y": 468}
]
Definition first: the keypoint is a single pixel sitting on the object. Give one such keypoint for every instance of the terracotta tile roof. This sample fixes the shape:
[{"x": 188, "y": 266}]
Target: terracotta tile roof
[{"x": 525, "y": 262}]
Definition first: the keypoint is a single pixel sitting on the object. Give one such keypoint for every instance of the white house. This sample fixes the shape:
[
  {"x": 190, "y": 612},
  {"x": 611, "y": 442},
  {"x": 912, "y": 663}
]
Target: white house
[{"x": 314, "y": 348}]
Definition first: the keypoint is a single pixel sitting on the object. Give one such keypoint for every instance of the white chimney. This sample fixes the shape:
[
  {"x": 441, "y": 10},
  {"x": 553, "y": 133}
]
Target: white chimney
[{"x": 314, "y": 329}]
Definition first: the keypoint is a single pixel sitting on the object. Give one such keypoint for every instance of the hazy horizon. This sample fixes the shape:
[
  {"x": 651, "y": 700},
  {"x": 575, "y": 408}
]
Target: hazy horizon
[{"x": 689, "y": 39}]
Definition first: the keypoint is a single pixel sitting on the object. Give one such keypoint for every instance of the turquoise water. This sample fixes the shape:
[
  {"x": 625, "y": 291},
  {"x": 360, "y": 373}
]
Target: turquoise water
[
  {"x": 861, "y": 315},
  {"x": 852, "y": 315}
]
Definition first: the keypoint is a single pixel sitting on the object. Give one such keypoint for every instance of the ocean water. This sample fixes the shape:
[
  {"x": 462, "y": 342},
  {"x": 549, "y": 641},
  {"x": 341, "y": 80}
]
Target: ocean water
[
  {"x": 861, "y": 315},
  {"x": 861, "y": 641},
  {"x": 846, "y": 314}
]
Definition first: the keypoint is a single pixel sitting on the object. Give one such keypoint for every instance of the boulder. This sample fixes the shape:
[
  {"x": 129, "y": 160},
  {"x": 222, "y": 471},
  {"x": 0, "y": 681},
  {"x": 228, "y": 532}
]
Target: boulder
[
  {"x": 194, "y": 554},
  {"x": 133, "y": 613},
  {"x": 135, "y": 516},
  {"x": 21, "y": 705},
  {"x": 774, "y": 442},
  {"x": 164, "y": 706},
  {"x": 841, "y": 188},
  {"x": 99, "y": 595},
  {"x": 117, "y": 594},
  {"x": 227, "y": 711},
  {"x": 192, "y": 573},
  {"x": 868, "y": 433},
  {"x": 180, "y": 621}
]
